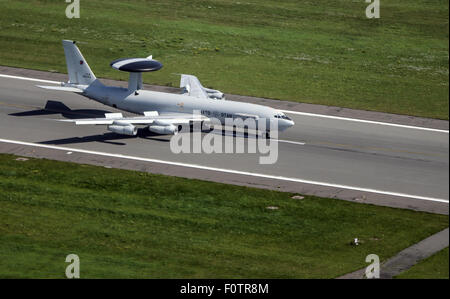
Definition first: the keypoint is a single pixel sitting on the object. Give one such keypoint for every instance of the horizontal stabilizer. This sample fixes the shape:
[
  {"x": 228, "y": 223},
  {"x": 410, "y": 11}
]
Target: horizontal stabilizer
[{"x": 61, "y": 88}]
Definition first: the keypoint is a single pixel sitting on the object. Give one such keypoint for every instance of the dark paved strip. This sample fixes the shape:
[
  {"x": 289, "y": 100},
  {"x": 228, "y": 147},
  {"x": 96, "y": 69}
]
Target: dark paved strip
[
  {"x": 283, "y": 105},
  {"x": 409, "y": 257}
]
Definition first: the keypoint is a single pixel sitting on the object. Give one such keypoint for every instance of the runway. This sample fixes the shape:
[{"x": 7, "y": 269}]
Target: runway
[{"x": 398, "y": 166}]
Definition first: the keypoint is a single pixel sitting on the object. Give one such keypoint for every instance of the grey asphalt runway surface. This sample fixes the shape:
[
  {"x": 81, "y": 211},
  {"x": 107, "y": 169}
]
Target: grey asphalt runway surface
[{"x": 330, "y": 152}]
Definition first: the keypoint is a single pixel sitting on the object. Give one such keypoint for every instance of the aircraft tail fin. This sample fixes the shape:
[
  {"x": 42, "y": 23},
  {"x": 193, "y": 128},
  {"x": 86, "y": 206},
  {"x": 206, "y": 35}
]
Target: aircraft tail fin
[
  {"x": 192, "y": 86},
  {"x": 79, "y": 71}
]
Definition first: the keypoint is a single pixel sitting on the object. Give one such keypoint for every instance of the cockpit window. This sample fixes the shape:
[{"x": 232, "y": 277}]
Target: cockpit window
[{"x": 282, "y": 116}]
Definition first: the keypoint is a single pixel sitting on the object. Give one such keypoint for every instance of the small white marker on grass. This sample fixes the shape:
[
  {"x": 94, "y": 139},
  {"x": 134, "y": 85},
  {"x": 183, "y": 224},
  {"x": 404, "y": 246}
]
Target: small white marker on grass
[{"x": 355, "y": 242}]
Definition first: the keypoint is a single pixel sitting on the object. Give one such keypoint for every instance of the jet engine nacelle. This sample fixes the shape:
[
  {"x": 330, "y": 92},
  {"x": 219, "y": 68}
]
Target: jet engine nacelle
[
  {"x": 214, "y": 94},
  {"x": 164, "y": 130},
  {"x": 124, "y": 129}
]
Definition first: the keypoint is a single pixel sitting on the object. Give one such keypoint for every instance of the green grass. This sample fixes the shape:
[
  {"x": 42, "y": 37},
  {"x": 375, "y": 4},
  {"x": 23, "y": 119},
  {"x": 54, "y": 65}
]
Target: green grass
[
  {"x": 127, "y": 224},
  {"x": 434, "y": 267},
  {"x": 322, "y": 51}
]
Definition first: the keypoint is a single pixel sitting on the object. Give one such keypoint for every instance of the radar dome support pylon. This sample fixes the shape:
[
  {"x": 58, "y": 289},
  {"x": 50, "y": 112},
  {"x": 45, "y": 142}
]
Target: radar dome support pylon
[{"x": 136, "y": 66}]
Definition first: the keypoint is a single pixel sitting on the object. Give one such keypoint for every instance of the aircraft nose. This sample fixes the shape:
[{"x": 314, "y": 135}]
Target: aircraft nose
[
  {"x": 284, "y": 124},
  {"x": 288, "y": 123}
]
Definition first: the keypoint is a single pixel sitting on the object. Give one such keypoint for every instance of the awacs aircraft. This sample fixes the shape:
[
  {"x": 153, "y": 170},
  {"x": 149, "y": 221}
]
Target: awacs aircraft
[{"x": 163, "y": 113}]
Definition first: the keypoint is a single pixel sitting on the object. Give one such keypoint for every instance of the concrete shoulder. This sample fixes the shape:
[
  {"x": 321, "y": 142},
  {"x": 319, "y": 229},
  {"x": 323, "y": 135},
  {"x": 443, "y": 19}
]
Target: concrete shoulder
[{"x": 407, "y": 258}]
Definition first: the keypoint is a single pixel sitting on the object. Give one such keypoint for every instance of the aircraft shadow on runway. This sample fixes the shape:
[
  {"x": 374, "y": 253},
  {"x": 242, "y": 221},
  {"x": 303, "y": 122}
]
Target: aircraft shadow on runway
[
  {"x": 108, "y": 137},
  {"x": 56, "y": 107},
  {"x": 113, "y": 138}
]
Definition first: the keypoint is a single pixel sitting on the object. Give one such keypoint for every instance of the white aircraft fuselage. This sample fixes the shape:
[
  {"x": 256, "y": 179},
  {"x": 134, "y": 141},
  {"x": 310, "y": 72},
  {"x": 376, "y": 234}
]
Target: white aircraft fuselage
[
  {"x": 162, "y": 112},
  {"x": 144, "y": 100}
]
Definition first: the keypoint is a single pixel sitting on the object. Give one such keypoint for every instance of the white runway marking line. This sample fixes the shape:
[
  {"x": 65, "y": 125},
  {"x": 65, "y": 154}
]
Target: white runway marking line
[
  {"x": 289, "y": 141},
  {"x": 285, "y": 111},
  {"x": 365, "y": 121},
  {"x": 261, "y": 136},
  {"x": 281, "y": 178}
]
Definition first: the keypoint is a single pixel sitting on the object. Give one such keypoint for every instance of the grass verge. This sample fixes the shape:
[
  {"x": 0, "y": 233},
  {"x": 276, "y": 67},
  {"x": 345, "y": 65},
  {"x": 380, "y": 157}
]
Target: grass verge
[
  {"x": 321, "y": 52},
  {"x": 434, "y": 267},
  {"x": 127, "y": 224}
]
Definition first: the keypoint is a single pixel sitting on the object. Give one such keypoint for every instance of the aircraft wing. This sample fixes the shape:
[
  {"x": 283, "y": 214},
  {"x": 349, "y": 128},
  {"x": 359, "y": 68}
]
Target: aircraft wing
[{"x": 151, "y": 117}]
